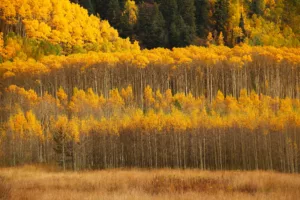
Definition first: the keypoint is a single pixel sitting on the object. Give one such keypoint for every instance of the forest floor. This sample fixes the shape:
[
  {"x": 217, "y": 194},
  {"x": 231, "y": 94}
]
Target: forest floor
[{"x": 40, "y": 183}]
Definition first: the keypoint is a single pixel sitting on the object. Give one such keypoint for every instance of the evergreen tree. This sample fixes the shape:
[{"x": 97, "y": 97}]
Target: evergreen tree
[
  {"x": 151, "y": 26},
  {"x": 175, "y": 25},
  {"x": 187, "y": 11},
  {"x": 144, "y": 26},
  {"x": 221, "y": 16},
  {"x": 87, "y": 4},
  {"x": 177, "y": 33},
  {"x": 258, "y": 6},
  {"x": 169, "y": 9},
  {"x": 202, "y": 17},
  {"x": 242, "y": 27},
  {"x": 100, "y": 7},
  {"x": 63, "y": 148},
  {"x": 122, "y": 4},
  {"x": 114, "y": 13},
  {"x": 159, "y": 29}
]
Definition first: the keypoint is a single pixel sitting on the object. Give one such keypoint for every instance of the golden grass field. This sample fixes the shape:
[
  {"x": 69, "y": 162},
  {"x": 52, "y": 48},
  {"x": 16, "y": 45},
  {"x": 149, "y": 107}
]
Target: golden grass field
[{"x": 40, "y": 183}]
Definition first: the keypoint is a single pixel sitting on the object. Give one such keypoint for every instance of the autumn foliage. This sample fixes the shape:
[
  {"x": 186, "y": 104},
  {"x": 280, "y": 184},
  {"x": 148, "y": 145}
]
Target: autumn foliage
[
  {"x": 60, "y": 22},
  {"x": 195, "y": 107},
  {"x": 87, "y": 130}
]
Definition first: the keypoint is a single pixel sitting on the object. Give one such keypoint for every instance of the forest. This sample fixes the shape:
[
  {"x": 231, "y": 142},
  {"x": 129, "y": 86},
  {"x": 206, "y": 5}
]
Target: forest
[{"x": 88, "y": 89}]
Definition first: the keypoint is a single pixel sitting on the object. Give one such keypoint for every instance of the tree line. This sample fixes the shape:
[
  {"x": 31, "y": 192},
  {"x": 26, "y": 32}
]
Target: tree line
[
  {"x": 89, "y": 131},
  {"x": 196, "y": 70}
]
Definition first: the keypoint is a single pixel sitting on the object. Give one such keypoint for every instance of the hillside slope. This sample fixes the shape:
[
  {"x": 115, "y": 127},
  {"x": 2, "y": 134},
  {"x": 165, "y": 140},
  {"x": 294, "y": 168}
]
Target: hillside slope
[{"x": 59, "y": 22}]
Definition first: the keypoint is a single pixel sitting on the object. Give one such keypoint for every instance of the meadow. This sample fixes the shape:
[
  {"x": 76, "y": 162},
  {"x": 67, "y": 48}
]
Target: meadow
[{"x": 32, "y": 182}]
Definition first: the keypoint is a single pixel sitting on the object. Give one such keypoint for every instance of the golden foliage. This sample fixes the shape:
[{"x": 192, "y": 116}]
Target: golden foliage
[
  {"x": 60, "y": 21},
  {"x": 178, "y": 113}
]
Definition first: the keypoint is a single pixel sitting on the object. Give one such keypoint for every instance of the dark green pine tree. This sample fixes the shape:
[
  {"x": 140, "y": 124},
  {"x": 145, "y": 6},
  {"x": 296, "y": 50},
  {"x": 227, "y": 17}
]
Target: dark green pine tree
[
  {"x": 151, "y": 26},
  {"x": 242, "y": 26},
  {"x": 221, "y": 17},
  {"x": 100, "y": 7},
  {"x": 160, "y": 36},
  {"x": 177, "y": 32},
  {"x": 242, "y": 23},
  {"x": 187, "y": 10},
  {"x": 63, "y": 148},
  {"x": 144, "y": 25},
  {"x": 122, "y": 4},
  {"x": 114, "y": 13},
  {"x": 87, "y": 4},
  {"x": 202, "y": 17},
  {"x": 141, "y": 1},
  {"x": 258, "y": 6},
  {"x": 175, "y": 24},
  {"x": 169, "y": 10}
]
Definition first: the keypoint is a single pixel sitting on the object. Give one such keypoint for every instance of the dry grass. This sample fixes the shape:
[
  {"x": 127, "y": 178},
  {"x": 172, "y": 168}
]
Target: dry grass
[{"x": 37, "y": 183}]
